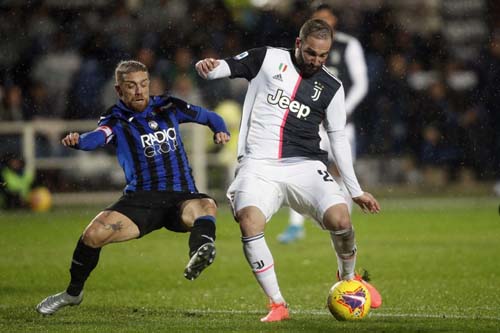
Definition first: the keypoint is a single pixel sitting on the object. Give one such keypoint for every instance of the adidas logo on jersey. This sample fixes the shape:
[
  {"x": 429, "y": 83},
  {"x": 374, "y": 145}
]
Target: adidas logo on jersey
[
  {"x": 278, "y": 77},
  {"x": 285, "y": 102}
]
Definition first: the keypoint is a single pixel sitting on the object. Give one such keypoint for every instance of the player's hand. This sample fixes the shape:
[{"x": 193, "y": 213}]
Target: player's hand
[
  {"x": 71, "y": 139},
  {"x": 221, "y": 138},
  {"x": 205, "y": 66},
  {"x": 367, "y": 203}
]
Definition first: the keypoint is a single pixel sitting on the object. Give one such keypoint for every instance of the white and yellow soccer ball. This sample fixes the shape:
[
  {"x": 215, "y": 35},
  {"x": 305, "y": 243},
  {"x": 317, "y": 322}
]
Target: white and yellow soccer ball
[
  {"x": 349, "y": 300},
  {"x": 40, "y": 199}
]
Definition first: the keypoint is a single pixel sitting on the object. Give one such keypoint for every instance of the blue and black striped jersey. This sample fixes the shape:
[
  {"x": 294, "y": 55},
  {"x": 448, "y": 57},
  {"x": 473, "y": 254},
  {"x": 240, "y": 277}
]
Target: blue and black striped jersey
[{"x": 149, "y": 145}]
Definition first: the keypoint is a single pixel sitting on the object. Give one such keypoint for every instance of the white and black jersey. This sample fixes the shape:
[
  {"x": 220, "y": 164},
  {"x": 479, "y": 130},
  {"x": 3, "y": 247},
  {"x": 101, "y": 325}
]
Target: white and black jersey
[
  {"x": 347, "y": 62},
  {"x": 282, "y": 110}
]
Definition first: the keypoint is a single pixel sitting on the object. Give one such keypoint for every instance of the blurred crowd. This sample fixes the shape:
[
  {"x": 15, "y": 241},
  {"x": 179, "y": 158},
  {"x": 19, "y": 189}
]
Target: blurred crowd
[{"x": 424, "y": 102}]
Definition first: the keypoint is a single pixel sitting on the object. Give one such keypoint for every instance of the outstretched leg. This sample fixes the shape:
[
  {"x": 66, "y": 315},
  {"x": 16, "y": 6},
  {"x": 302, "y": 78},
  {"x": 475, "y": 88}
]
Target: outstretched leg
[
  {"x": 252, "y": 224},
  {"x": 107, "y": 227},
  {"x": 198, "y": 215}
]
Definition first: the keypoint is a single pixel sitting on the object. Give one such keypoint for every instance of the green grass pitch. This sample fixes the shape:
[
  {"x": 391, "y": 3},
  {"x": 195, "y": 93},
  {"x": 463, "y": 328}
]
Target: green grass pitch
[{"x": 435, "y": 262}]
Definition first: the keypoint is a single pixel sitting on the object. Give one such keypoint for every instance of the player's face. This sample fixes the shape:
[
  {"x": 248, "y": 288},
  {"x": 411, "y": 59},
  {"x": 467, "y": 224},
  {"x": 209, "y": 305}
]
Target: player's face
[
  {"x": 134, "y": 90},
  {"x": 311, "y": 54}
]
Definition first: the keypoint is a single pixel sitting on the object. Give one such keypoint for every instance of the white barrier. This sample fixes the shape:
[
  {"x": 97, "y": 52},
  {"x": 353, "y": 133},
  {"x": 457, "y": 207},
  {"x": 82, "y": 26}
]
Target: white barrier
[{"x": 193, "y": 136}]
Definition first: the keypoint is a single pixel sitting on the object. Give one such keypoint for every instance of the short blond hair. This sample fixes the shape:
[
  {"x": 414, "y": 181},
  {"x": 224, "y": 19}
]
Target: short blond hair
[{"x": 128, "y": 66}]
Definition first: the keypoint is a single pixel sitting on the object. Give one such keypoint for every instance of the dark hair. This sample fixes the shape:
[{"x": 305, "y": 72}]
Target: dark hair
[
  {"x": 316, "y": 28},
  {"x": 325, "y": 6},
  {"x": 128, "y": 66}
]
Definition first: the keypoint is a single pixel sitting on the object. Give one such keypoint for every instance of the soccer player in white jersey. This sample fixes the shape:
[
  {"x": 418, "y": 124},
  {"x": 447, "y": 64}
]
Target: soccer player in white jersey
[
  {"x": 347, "y": 62},
  {"x": 280, "y": 161}
]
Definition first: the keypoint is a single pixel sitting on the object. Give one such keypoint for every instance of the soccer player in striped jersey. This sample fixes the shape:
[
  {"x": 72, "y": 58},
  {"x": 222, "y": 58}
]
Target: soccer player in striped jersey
[
  {"x": 347, "y": 62},
  {"x": 280, "y": 161},
  {"x": 160, "y": 190}
]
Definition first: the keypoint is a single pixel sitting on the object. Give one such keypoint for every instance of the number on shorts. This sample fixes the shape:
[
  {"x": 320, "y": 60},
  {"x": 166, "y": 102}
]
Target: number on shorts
[{"x": 326, "y": 176}]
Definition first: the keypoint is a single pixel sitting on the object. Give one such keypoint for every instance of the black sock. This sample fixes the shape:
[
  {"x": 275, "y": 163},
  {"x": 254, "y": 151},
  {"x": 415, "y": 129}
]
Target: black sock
[
  {"x": 203, "y": 231},
  {"x": 85, "y": 259}
]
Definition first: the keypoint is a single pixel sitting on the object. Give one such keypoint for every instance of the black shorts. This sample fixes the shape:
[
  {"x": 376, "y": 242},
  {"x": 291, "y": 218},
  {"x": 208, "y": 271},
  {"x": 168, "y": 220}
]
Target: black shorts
[{"x": 152, "y": 210}]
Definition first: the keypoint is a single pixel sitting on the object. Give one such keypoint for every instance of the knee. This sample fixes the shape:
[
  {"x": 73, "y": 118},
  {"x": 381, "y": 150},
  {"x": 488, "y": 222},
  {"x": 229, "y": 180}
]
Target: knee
[
  {"x": 208, "y": 206},
  {"x": 252, "y": 221},
  {"x": 91, "y": 237},
  {"x": 337, "y": 218}
]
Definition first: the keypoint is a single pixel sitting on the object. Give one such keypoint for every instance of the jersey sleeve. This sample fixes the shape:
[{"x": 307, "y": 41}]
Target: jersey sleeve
[
  {"x": 105, "y": 125},
  {"x": 335, "y": 113},
  {"x": 186, "y": 112},
  {"x": 99, "y": 137},
  {"x": 247, "y": 64},
  {"x": 356, "y": 65},
  {"x": 334, "y": 124}
]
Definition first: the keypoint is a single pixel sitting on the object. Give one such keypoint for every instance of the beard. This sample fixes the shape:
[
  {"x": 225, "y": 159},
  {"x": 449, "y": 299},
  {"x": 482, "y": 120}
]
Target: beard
[
  {"x": 306, "y": 70},
  {"x": 138, "y": 106}
]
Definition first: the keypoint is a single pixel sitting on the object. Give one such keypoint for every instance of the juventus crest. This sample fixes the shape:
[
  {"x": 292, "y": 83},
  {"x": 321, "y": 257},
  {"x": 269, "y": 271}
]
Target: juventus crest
[{"x": 318, "y": 87}]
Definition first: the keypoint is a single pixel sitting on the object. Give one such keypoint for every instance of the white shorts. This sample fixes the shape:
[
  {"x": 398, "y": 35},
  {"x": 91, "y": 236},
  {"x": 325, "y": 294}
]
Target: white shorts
[
  {"x": 304, "y": 185},
  {"x": 350, "y": 132}
]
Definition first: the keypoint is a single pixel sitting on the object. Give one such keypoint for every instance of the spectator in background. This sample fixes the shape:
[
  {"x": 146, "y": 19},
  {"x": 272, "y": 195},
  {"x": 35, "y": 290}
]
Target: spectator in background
[
  {"x": 182, "y": 65},
  {"x": 11, "y": 106},
  {"x": 55, "y": 69},
  {"x": 438, "y": 126},
  {"x": 183, "y": 87},
  {"x": 488, "y": 66},
  {"x": 120, "y": 29},
  {"x": 36, "y": 104},
  {"x": 88, "y": 80},
  {"x": 392, "y": 106},
  {"x": 15, "y": 182}
]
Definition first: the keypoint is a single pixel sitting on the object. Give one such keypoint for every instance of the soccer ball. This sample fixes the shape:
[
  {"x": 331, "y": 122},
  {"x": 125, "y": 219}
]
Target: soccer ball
[
  {"x": 40, "y": 199},
  {"x": 349, "y": 300}
]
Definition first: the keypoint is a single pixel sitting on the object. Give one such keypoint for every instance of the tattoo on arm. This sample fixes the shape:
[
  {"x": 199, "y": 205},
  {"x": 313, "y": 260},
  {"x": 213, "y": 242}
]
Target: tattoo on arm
[{"x": 111, "y": 226}]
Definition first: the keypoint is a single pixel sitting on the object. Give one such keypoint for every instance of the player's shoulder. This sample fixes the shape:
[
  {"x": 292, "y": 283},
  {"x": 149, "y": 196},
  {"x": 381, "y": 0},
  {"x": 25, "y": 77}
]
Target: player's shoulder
[
  {"x": 259, "y": 52},
  {"x": 274, "y": 54},
  {"x": 109, "y": 114},
  {"x": 169, "y": 102},
  {"x": 277, "y": 50},
  {"x": 329, "y": 77}
]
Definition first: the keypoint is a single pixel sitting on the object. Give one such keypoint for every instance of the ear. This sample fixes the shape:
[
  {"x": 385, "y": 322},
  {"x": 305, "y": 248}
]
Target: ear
[
  {"x": 118, "y": 90},
  {"x": 298, "y": 41}
]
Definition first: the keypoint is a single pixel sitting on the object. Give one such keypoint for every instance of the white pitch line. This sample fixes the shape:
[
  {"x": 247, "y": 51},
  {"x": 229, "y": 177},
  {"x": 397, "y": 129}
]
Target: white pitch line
[{"x": 325, "y": 313}]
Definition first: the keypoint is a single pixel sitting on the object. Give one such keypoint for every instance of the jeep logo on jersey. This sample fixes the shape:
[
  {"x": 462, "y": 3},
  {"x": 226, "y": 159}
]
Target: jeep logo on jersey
[
  {"x": 159, "y": 142},
  {"x": 318, "y": 87},
  {"x": 284, "y": 102}
]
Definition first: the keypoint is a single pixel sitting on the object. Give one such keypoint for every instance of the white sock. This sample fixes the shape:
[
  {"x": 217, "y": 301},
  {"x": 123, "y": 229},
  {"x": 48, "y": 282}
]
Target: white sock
[
  {"x": 296, "y": 219},
  {"x": 346, "y": 267},
  {"x": 261, "y": 261},
  {"x": 343, "y": 243}
]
